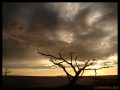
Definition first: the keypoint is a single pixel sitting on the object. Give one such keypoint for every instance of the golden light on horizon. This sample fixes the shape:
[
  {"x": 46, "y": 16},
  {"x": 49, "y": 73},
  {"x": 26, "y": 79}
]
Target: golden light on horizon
[{"x": 59, "y": 71}]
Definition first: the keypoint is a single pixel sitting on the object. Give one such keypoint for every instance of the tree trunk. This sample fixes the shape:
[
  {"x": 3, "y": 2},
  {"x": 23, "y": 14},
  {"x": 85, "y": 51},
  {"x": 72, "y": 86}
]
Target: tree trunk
[
  {"x": 73, "y": 81},
  {"x": 5, "y": 74}
]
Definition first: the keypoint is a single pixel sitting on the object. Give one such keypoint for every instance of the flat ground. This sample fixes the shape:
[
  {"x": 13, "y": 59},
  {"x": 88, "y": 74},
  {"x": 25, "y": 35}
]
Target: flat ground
[{"x": 55, "y": 82}]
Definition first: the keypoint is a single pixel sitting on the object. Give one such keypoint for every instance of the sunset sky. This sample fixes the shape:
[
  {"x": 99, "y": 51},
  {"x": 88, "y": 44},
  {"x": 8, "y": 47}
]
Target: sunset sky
[{"x": 87, "y": 29}]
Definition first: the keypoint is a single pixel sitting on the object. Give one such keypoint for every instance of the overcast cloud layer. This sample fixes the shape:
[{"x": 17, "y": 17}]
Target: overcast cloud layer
[{"x": 87, "y": 29}]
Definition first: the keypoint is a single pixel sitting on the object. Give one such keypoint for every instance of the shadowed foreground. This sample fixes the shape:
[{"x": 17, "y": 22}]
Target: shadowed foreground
[{"x": 58, "y": 82}]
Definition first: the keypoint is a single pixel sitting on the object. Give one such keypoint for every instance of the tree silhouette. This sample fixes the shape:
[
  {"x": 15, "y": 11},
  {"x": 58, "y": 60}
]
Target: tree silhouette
[
  {"x": 76, "y": 68},
  {"x": 6, "y": 72}
]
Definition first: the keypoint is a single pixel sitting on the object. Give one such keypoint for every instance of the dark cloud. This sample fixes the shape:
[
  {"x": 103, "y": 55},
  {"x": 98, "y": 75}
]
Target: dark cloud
[
  {"x": 43, "y": 18},
  {"x": 14, "y": 48},
  {"x": 88, "y": 29}
]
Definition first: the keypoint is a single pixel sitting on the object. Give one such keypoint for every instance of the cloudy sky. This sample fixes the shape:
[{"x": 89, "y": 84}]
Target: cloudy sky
[{"x": 87, "y": 29}]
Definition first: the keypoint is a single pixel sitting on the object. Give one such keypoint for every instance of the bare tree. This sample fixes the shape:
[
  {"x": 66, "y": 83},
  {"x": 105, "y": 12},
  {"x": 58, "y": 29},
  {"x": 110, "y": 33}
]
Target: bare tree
[
  {"x": 6, "y": 72},
  {"x": 76, "y": 68}
]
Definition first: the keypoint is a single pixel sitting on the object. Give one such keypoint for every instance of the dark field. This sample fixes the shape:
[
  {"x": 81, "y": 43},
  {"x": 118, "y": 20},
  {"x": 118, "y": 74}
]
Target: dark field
[{"x": 59, "y": 82}]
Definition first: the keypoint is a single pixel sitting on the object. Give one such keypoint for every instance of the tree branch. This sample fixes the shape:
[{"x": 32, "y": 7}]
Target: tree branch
[
  {"x": 86, "y": 64},
  {"x": 61, "y": 58},
  {"x": 82, "y": 72},
  {"x": 63, "y": 67},
  {"x": 83, "y": 68},
  {"x": 49, "y": 55},
  {"x": 92, "y": 61},
  {"x": 76, "y": 62},
  {"x": 68, "y": 62}
]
